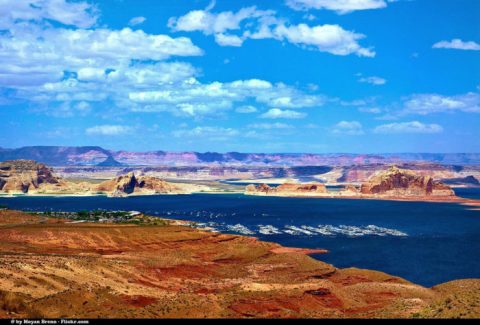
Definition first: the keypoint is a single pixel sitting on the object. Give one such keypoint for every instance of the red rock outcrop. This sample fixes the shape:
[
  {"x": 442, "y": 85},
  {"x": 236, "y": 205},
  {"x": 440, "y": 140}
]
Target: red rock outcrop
[
  {"x": 351, "y": 189},
  {"x": 287, "y": 188},
  {"x": 30, "y": 177},
  {"x": 129, "y": 183},
  {"x": 302, "y": 188},
  {"x": 400, "y": 182},
  {"x": 262, "y": 188},
  {"x": 22, "y": 176}
]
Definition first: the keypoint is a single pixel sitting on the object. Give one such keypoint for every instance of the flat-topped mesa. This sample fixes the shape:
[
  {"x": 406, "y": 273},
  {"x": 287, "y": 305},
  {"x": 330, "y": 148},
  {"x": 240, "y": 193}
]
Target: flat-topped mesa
[
  {"x": 22, "y": 176},
  {"x": 287, "y": 188},
  {"x": 400, "y": 182},
  {"x": 129, "y": 183}
]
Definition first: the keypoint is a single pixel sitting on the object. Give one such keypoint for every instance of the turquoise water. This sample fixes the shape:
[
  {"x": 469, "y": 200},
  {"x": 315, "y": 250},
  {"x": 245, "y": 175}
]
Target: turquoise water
[{"x": 427, "y": 243}]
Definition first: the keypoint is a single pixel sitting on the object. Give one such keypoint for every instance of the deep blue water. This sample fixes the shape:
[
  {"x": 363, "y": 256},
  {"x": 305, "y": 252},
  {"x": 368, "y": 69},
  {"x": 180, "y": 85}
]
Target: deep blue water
[
  {"x": 470, "y": 193},
  {"x": 427, "y": 243}
]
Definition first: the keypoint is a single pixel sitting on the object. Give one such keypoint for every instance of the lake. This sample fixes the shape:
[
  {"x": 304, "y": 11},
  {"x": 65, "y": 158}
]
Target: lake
[{"x": 426, "y": 243}]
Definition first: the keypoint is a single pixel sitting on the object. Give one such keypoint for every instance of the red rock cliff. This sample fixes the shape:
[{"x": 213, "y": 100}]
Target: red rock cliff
[
  {"x": 129, "y": 183},
  {"x": 400, "y": 182},
  {"x": 20, "y": 176}
]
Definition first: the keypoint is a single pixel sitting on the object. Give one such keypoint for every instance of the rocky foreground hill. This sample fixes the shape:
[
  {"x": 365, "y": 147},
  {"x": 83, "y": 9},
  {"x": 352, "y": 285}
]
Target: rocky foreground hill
[
  {"x": 90, "y": 270},
  {"x": 30, "y": 177}
]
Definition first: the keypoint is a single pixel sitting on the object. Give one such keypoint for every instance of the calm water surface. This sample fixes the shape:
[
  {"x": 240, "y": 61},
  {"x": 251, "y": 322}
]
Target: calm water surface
[{"x": 427, "y": 243}]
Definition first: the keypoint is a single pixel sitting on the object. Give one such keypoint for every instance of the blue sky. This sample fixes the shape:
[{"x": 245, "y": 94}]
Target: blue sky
[{"x": 318, "y": 76}]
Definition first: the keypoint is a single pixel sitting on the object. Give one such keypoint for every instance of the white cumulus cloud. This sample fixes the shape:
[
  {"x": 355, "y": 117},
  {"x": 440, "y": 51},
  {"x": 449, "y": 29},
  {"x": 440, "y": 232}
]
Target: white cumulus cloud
[
  {"x": 233, "y": 28},
  {"x": 325, "y": 38},
  {"x": 72, "y": 69},
  {"x": 215, "y": 23},
  {"x": 53, "y": 51}
]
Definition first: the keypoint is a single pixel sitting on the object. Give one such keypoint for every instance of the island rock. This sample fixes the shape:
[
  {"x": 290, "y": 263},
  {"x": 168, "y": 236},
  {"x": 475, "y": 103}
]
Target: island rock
[
  {"x": 401, "y": 182},
  {"x": 287, "y": 189}
]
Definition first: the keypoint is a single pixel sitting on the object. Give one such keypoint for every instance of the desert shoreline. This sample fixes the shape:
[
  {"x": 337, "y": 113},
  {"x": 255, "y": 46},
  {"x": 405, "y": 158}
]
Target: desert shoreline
[{"x": 456, "y": 199}]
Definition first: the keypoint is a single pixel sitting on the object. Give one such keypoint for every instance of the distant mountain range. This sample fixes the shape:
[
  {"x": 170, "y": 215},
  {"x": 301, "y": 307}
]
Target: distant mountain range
[{"x": 97, "y": 156}]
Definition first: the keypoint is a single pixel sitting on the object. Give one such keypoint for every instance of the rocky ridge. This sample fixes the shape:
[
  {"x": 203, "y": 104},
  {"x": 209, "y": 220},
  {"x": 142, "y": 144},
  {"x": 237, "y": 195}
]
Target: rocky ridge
[
  {"x": 94, "y": 155},
  {"x": 30, "y": 177}
]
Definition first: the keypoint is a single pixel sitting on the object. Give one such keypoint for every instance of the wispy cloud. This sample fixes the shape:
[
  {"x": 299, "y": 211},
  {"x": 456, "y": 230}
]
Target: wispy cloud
[
  {"x": 408, "y": 127},
  {"x": 371, "y": 110},
  {"x": 210, "y": 132},
  {"x": 270, "y": 126},
  {"x": 109, "y": 130},
  {"x": 339, "y": 6},
  {"x": 377, "y": 81},
  {"x": 457, "y": 44},
  {"x": 348, "y": 128},
  {"x": 246, "y": 109},
  {"x": 79, "y": 14},
  {"x": 424, "y": 104},
  {"x": 137, "y": 21}
]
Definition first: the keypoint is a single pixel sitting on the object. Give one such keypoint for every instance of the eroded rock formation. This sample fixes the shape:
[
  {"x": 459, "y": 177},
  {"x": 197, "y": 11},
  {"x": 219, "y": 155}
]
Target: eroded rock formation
[
  {"x": 30, "y": 177},
  {"x": 400, "y": 182},
  {"x": 287, "y": 189},
  {"x": 129, "y": 183},
  {"x": 22, "y": 176}
]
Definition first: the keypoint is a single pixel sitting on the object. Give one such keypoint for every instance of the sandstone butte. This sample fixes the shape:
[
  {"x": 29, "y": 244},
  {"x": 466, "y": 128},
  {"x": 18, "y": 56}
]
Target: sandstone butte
[
  {"x": 91, "y": 270},
  {"x": 30, "y": 177},
  {"x": 401, "y": 182}
]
